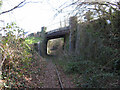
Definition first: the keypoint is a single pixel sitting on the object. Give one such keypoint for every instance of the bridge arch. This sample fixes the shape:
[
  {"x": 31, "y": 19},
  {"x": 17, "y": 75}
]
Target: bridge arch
[
  {"x": 58, "y": 33},
  {"x": 69, "y": 31}
]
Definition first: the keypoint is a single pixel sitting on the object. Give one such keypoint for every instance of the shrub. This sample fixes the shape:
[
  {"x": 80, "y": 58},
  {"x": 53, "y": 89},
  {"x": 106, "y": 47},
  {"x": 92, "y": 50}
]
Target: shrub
[
  {"x": 89, "y": 74},
  {"x": 16, "y": 56}
]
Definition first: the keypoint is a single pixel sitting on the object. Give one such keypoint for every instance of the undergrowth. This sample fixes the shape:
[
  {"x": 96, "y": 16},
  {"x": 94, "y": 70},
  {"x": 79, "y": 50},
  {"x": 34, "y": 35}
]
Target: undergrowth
[
  {"x": 17, "y": 57},
  {"x": 32, "y": 40},
  {"x": 97, "y": 61},
  {"x": 88, "y": 74}
]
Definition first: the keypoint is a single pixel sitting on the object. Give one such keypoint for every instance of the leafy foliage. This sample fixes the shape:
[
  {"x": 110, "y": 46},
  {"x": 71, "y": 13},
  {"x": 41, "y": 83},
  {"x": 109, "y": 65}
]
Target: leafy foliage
[
  {"x": 97, "y": 63},
  {"x": 87, "y": 73},
  {"x": 31, "y": 40},
  {"x": 16, "y": 56}
]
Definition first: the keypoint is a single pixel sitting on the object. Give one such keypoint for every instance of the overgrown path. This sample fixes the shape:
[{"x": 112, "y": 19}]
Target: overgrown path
[
  {"x": 47, "y": 77},
  {"x": 58, "y": 75}
]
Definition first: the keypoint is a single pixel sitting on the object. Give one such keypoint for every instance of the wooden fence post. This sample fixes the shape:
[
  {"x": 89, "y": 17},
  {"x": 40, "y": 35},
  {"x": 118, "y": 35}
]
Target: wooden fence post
[{"x": 72, "y": 36}]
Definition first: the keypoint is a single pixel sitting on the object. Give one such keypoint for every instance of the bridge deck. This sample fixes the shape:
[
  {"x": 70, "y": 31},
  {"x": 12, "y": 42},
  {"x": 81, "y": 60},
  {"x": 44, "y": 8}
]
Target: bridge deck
[{"x": 57, "y": 33}]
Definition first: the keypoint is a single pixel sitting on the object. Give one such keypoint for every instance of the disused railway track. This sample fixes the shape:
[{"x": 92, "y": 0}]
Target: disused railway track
[{"x": 59, "y": 79}]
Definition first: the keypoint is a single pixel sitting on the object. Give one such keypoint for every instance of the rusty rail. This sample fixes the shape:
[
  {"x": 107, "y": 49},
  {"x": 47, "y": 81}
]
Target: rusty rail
[{"x": 59, "y": 79}]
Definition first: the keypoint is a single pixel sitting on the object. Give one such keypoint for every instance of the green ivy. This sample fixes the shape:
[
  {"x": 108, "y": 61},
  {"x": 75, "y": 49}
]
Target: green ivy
[{"x": 16, "y": 55}]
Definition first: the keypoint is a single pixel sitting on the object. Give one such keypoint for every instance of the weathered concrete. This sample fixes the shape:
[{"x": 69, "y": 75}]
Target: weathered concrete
[
  {"x": 57, "y": 33},
  {"x": 72, "y": 36},
  {"x": 66, "y": 32}
]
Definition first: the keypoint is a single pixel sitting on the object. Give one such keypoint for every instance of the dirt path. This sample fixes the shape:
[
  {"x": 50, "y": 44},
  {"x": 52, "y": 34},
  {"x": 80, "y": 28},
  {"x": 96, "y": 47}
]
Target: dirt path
[
  {"x": 47, "y": 77},
  {"x": 66, "y": 80}
]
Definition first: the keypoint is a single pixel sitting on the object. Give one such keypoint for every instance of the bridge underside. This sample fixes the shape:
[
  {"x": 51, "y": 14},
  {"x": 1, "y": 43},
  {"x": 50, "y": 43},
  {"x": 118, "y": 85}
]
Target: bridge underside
[
  {"x": 68, "y": 33},
  {"x": 55, "y": 35}
]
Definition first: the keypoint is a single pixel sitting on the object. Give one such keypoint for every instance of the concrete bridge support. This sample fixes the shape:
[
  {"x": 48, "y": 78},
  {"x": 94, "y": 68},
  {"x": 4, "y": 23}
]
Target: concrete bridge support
[
  {"x": 66, "y": 33},
  {"x": 66, "y": 39},
  {"x": 45, "y": 47},
  {"x": 72, "y": 36}
]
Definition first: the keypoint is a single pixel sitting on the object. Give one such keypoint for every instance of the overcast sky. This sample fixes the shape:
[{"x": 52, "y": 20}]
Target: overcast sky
[{"x": 33, "y": 16}]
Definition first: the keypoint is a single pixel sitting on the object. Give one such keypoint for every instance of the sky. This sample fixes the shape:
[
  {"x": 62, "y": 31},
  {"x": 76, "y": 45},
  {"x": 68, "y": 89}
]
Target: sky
[{"x": 33, "y": 16}]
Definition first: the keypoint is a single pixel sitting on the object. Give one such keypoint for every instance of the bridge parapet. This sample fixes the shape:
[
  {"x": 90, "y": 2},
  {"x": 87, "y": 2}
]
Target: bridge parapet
[{"x": 59, "y": 29}]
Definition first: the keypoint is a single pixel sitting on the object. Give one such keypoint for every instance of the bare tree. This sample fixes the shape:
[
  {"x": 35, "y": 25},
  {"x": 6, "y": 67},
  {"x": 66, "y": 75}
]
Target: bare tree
[
  {"x": 21, "y": 4},
  {"x": 99, "y": 9}
]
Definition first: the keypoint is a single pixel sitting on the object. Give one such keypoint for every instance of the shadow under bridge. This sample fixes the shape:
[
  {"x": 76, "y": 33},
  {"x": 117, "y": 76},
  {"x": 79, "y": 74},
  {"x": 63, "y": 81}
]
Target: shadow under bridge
[{"x": 57, "y": 33}]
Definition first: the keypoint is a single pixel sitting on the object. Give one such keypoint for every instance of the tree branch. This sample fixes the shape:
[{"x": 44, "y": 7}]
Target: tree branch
[
  {"x": 29, "y": 2},
  {"x": 12, "y": 8}
]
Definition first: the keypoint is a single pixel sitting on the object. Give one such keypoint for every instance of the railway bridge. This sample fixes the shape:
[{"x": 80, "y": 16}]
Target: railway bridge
[{"x": 65, "y": 32}]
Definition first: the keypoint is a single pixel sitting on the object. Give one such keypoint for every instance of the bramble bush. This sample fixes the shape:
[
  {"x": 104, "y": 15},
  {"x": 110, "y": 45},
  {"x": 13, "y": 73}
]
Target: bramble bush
[
  {"x": 16, "y": 55},
  {"x": 103, "y": 69}
]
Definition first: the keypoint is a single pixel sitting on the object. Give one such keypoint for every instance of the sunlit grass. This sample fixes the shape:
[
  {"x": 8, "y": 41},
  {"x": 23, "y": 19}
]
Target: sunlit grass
[{"x": 31, "y": 40}]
